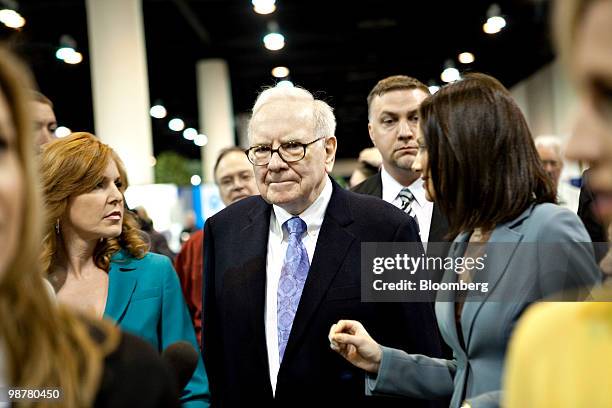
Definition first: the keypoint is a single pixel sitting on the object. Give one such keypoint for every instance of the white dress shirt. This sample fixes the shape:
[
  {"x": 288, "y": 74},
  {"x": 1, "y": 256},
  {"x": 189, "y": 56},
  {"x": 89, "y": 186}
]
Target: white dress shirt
[
  {"x": 423, "y": 209},
  {"x": 277, "y": 247}
]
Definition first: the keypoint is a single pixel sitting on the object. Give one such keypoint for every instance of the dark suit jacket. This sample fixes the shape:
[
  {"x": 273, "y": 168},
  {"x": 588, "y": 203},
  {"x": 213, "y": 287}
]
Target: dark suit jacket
[
  {"x": 234, "y": 342},
  {"x": 439, "y": 225}
]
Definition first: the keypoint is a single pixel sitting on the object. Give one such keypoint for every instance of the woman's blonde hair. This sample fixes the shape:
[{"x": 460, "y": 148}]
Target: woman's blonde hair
[
  {"x": 45, "y": 345},
  {"x": 567, "y": 15},
  {"x": 75, "y": 165}
]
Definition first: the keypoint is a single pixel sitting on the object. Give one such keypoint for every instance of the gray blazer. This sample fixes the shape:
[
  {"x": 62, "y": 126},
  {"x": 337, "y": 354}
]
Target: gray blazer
[{"x": 524, "y": 276}]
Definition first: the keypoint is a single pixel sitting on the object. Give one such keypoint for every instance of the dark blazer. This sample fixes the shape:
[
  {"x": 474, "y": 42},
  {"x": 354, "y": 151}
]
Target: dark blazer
[
  {"x": 439, "y": 224},
  {"x": 234, "y": 342}
]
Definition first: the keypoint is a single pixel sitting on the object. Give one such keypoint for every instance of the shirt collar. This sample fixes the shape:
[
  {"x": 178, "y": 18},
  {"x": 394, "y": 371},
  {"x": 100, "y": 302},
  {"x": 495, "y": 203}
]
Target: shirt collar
[
  {"x": 392, "y": 188},
  {"x": 312, "y": 216}
]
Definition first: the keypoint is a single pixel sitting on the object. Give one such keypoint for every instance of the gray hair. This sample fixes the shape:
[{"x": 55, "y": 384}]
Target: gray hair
[
  {"x": 322, "y": 113},
  {"x": 551, "y": 142}
]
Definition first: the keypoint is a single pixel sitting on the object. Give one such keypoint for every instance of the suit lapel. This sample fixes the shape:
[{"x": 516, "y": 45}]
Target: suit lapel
[
  {"x": 121, "y": 285},
  {"x": 332, "y": 245},
  {"x": 509, "y": 238},
  {"x": 254, "y": 273},
  {"x": 445, "y": 307}
]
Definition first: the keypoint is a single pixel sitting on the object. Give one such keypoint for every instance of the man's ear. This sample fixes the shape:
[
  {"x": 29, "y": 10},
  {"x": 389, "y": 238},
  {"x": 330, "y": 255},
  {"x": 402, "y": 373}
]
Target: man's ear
[
  {"x": 331, "y": 144},
  {"x": 370, "y": 133}
]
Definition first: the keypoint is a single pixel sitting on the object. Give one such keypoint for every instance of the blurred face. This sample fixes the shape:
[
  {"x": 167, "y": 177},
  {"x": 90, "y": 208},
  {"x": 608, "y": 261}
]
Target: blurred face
[
  {"x": 393, "y": 125},
  {"x": 235, "y": 178},
  {"x": 292, "y": 186},
  {"x": 44, "y": 123},
  {"x": 552, "y": 162},
  {"x": 98, "y": 213},
  {"x": 421, "y": 165},
  {"x": 11, "y": 188},
  {"x": 592, "y": 67}
]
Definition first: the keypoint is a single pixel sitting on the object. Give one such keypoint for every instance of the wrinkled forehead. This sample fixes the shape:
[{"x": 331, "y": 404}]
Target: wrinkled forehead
[{"x": 281, "y": 119}]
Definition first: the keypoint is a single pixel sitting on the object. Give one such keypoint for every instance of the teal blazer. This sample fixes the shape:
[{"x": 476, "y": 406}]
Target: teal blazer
[{"x": 145, "y": 299}]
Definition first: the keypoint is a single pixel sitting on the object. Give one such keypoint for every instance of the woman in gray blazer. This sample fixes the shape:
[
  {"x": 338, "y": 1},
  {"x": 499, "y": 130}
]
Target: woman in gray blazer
[{"x": 479, "y": 164}]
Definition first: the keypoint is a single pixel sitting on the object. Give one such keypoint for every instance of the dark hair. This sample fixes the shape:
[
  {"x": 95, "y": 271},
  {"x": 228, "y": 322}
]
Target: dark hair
[
  {"x": 484, "y": 166},
  {"x": 223, "y": 153},
  {"x": 394, "y": 83}
]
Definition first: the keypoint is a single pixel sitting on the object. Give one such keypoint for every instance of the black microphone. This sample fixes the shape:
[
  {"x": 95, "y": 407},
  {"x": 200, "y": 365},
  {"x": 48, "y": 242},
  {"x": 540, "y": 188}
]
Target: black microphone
[{"x": 183, "y": 358}]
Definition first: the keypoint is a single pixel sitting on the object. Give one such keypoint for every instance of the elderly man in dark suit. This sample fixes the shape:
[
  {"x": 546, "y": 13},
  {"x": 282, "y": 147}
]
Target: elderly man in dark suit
[
  {"x": 392, "y": 123},
  {"x": 281, "y": 267}
]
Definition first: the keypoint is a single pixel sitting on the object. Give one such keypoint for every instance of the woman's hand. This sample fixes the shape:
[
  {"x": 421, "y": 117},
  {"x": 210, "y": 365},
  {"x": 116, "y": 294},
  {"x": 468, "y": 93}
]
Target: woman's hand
[{"x": 351, "y": 340}]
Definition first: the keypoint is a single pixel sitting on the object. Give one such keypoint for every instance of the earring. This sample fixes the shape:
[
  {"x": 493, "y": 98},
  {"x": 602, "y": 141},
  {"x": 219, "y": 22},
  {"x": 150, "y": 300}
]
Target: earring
[{"x": 57, "y": 229}]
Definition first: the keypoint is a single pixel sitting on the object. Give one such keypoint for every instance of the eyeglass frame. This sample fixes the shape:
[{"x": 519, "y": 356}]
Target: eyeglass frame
[{"x": 277, "y": 150}]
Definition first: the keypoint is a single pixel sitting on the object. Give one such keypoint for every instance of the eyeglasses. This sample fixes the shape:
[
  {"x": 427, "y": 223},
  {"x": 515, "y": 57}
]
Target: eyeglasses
[{"x": 290, "y": 152}]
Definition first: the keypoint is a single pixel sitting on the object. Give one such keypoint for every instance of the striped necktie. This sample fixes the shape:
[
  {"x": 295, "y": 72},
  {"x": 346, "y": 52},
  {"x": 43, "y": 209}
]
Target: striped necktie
[{"x": 407, "y": 199}]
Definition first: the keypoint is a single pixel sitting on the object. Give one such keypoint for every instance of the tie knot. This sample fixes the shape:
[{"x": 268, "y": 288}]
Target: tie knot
[
  {"x": 295, "y": 225},
  {"x": 405, "y": 193}
]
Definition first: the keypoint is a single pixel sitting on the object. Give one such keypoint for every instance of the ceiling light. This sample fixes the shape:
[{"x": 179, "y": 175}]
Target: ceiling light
[
  {"x": 433, "y": 89},
  {"x": 466, "y": 58},
  {"x": 274, "y": 41},
  {"x": 176, "y": 124},
  {"x": 264, "y": 6},
  {"x": 285, "y": 84},
  {"x": 450, "y": 73},
  {"x": 158, "y": 111},
  {"x": 62, "y": 131},
  {"x": 190, "y": 133},
  {"x": 63, "y": 53},
  {"x": 280, "y": 72},
  {"x": 200, "y": 140},
  {"x": 495, "y": 22},
  {"x": 11, "y": 18},
  {"x": 73, "y": 58},
  {"x": 196, "y": 180}
]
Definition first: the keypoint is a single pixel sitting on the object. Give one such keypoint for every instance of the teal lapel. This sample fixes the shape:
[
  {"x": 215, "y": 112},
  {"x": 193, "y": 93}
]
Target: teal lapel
[{"x": 121, "y": 285}]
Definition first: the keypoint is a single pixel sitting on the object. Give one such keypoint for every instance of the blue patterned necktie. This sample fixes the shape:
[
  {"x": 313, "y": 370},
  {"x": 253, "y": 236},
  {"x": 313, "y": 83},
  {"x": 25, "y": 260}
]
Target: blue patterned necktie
[
  {"x": 292, "y": 279},
  {"x": 407, "y": 199}
]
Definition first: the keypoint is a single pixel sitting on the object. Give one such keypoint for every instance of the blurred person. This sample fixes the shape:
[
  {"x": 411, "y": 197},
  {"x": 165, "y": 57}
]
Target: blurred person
[
  {"x": 560, "y": 354},
  {"x": 551, "y": 154},
  {"x": 189, "y": 226},
  {"x": 281, "y": 267},
  {"x": 235, "y": 178},
  {"x": 470, "y": 133},
  {"x": 45, "y": 122},
  {"x": 393, "y": 104},
  {"x": 158, "y": 244},
  {"x": 369, "y": 163},
  {"x": 94, "y": 255},
  {"x": 43, "y": 345}
]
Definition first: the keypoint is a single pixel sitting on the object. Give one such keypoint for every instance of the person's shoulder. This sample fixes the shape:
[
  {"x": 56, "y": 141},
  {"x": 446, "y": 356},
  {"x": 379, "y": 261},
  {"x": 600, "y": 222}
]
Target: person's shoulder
[
  {"x": 374, "y": 209},
  {"x": 239, "y": 208},
  {"x": 368, "y": 185}
]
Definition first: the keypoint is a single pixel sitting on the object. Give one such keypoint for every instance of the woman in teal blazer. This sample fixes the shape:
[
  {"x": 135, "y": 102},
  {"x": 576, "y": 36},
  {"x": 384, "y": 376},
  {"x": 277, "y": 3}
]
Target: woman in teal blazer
[
  {"x": 95, "y": 256},
  {"x": 145, "y": 299}
]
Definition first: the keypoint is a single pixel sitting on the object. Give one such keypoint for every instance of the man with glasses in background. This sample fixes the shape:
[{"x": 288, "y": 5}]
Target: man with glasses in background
[
  {"x": 234, "y": 177},
  {"x": 280, "y": 268}
]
